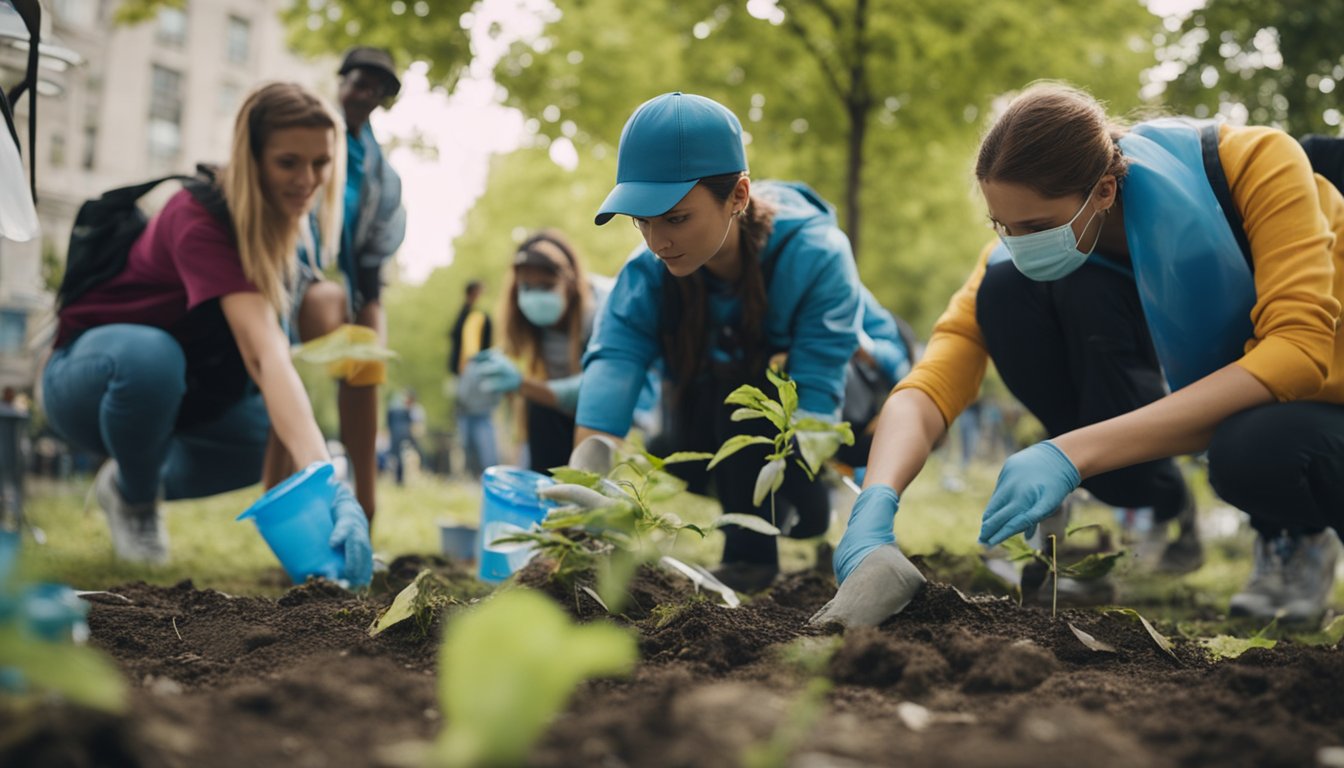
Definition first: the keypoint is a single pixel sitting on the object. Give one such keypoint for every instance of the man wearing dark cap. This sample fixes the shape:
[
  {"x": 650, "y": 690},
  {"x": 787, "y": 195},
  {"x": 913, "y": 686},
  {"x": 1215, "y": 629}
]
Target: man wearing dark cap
[{"x": 374, "y": 226}]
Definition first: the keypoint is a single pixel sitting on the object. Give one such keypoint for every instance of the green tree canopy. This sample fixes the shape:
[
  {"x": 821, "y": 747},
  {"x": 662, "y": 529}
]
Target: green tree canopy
[{"x": 1266, "y": 62}]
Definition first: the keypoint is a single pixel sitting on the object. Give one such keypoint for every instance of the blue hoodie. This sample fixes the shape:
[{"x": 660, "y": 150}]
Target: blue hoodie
[{"x": 813, "y": 312}]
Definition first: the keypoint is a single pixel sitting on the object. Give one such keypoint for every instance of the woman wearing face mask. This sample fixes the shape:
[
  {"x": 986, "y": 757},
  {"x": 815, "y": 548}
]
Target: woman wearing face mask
[
  {"x": 1141, "y": 317},
  {"x": 178, "y": 366},
  {"x": 548, "y": 310},
  {"x": 731, "y": 273}
]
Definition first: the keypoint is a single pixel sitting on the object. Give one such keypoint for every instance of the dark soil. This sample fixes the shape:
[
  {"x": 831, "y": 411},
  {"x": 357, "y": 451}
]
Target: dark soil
[{"x": 297, "y": 682}]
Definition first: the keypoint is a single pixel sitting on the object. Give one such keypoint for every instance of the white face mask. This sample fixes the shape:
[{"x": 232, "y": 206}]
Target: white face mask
[
  {"x": 1052, "y": 253},
  {"x": 543, "y": 308}
]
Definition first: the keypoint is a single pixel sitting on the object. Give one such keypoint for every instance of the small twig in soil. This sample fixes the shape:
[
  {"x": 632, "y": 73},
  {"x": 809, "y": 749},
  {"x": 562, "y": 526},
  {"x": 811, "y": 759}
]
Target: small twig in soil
[{"x": 179, "y": 634}]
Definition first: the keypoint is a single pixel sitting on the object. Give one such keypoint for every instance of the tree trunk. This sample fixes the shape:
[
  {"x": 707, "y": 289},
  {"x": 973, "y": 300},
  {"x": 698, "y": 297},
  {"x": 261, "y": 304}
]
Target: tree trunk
[{"x": 858, "y": 106}]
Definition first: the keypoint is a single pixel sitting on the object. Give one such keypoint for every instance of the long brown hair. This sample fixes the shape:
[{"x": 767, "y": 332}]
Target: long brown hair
[
  {"x": 684, "y": 341},
  {"x": 266, "y": 238},
  {"x": 1054, "y": 139},
  {"x": 522, "y": 339}
]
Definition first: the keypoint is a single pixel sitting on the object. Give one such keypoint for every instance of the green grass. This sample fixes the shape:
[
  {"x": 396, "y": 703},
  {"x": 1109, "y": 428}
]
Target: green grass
[{"x": 213, "y": 551}]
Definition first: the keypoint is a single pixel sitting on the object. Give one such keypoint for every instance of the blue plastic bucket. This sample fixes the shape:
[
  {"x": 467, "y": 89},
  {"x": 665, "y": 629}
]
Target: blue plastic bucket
[
  {"x": 458, "y": 542},
  {"x": 294, "y": 518},
  {"x": 509, "y": 505}
]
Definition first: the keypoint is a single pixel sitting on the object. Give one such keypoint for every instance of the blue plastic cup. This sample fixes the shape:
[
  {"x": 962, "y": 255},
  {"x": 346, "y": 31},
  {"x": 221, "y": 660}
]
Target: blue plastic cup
[
  {"x": 458, "y": 542},
  {"x": 294, "y": 518},
  {"x": 509, "y": 505}
]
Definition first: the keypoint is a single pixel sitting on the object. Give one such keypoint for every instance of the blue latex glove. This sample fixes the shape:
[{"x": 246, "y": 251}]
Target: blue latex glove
[
  {"x": 498, "y": 373},
  {"x": 351, "y": 536},
  {"x": 566, "y": 392},
  {"x": 1031, "y": 486},
  {"x": 869, "y": 527}
]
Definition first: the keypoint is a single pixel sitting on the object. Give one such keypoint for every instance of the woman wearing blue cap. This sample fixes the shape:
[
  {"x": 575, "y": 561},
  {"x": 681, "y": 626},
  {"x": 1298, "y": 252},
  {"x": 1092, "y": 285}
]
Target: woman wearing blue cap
[
  {"x": 730, "y": 275},
  {"x": 1166, "y": 288}
]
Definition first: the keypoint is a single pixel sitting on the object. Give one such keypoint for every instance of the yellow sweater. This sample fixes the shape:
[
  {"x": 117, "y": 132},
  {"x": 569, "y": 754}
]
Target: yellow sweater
[{"x": 1294, "y": 220}]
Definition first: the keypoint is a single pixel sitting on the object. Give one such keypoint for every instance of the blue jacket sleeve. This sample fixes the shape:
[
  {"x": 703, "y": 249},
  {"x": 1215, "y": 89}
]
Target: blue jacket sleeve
[
  {"x": 883, "y": 339},
  {"x": 826, "y": 323},
  {"x": 624, "y": 345}
]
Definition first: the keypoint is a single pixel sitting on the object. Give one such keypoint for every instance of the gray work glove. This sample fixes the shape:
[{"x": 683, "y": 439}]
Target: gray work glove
[
  {"x": 876, "y": 589},
  {"x": 597, "y": 453}
]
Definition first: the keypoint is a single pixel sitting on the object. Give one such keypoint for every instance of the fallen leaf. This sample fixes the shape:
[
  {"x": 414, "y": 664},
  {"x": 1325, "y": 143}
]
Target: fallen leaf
[{"x": 1090, "y": 641}]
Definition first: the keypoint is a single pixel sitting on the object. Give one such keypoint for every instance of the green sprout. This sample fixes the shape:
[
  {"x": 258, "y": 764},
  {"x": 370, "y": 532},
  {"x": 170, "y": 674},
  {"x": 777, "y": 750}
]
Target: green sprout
[
  {"x": 1091, "y": 568},
  {"x": 815, "y": 440}
]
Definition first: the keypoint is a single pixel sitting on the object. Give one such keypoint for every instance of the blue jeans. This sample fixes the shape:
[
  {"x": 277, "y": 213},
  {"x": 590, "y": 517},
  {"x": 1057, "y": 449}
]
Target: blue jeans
[
  {"x": 478, "y": 442},
  {"x": 116, "y": 390}
]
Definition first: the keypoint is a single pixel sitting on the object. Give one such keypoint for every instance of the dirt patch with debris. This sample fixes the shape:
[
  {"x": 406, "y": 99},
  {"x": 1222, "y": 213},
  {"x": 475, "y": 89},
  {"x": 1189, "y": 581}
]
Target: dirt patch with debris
[{"x": 292, "y": 682}]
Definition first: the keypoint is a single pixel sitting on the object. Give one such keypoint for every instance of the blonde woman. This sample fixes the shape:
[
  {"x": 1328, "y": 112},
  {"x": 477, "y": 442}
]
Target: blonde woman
[{"x": 177, "y": 367}]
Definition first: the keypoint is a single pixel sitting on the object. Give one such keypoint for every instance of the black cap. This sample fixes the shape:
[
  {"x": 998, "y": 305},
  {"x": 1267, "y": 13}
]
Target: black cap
[{"x": 372, "y": 58}]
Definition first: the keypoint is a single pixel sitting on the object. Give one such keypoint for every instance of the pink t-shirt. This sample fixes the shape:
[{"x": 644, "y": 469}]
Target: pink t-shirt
[{"x": 184, "y": 258}]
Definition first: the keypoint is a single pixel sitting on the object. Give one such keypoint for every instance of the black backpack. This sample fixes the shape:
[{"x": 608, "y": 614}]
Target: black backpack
[
  {"x": 1325, "y": 153},
  {"x": 107, "y": 226},
  {"x": 100, "y": 245}
]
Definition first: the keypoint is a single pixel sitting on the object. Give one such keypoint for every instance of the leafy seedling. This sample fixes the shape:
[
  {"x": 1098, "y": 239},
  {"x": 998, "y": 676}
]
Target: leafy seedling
[
  {"x": 609, "y": 526},
  {"x": 76, "y": 673},
  {"x": 815, "y": 440},
  {"x": 1090, "y": 568},
  {"x": 422, "y": 600},
  {"x": 507, "y": 668}
]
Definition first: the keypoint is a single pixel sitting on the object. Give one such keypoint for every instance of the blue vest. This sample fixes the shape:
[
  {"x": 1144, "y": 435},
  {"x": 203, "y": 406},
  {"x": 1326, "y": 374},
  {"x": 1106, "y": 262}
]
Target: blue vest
[{"x": 1194, "y": 284}]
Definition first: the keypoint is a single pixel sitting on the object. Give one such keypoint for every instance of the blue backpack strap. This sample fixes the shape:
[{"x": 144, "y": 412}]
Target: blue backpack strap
[{"x": 1213, "y": 168}]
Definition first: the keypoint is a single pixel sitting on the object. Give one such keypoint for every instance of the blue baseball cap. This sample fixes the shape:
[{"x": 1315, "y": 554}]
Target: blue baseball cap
[{"x": 668, "y": 144}]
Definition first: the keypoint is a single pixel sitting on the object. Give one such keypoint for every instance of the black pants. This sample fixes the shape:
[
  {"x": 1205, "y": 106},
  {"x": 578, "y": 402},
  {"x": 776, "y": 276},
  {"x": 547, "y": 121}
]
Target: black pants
[
  {"x": 1283, "y": 464},
  {"x": 701, "y": 422},
  {"x": 1074, "y": 352},
  {"x": 1077, "y": 351},
  {"x": 550, "y": 437}
]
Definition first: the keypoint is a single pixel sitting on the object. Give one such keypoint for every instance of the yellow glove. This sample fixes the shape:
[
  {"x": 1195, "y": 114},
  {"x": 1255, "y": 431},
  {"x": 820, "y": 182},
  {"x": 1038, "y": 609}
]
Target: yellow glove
[{"x": 352, "y": 353}]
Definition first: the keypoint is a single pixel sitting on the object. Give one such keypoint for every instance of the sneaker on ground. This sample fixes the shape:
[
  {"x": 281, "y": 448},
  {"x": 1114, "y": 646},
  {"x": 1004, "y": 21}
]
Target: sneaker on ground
[
  {"x": 1308, "y": 577},
  {"x": 138, "y": 532},
  {"x": 746, "y": 577},
  {"x": 1263, "y": 593}
]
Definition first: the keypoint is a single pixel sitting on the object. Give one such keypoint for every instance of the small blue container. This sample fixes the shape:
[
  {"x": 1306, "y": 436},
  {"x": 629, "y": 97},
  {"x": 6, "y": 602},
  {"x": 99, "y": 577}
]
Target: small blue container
[
  {"x": 54, "y": 613},
  {"x": 510, "y": 504},
  {"x": 294, "y": 518},
  {"x": 458, "y": 542},
  {"x": 9, "y": 554}
]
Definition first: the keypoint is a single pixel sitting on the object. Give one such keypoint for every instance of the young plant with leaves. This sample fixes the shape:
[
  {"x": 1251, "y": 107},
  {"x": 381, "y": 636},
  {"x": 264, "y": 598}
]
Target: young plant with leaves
[
  {"x": 1093, "y": 567},
  {"x": 809, "y": 440},
  {"x": 609, "y": 525}
]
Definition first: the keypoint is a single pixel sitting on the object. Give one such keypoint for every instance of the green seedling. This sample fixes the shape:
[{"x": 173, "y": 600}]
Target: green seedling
[
  {"x": 610, "y": 526},
  {"x": 507, "y": 668},
  {"x": 797, "y": 724},
  {"x": 816, "y": 440},
  {"x": 422, "y": 600},
  {"x": 1091, "y": 568},
  {"x": 76, "y": 673}
]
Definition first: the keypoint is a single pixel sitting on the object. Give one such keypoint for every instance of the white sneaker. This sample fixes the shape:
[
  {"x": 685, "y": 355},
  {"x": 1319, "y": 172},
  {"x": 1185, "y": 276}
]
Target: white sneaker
[
  {"x": 1292, "y": 578},
  {"x": 1309, "y": 577},
  {"x": 138, "y": 532}
]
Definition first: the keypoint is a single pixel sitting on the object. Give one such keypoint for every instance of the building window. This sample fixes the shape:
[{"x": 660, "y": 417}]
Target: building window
[
  {"x": 228, "y": 98},
  {"x": 165, "y": 117},
  {"x": 76, "y": 13},
  {"x": 13, "y": 331},
  {"x": 57, "y": 150},
  {"x": 172, "y": 28},
  {"x": 239, "y": 40},
  {"x": 90, "y": 155}
]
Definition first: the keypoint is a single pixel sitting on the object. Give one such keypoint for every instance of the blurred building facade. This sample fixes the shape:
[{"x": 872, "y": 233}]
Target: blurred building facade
[{"x": 143, "y": 101}]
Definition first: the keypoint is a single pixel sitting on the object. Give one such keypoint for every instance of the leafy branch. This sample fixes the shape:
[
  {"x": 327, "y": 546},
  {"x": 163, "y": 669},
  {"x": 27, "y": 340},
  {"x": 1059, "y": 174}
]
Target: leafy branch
[{"x": 809, "y": 440}]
